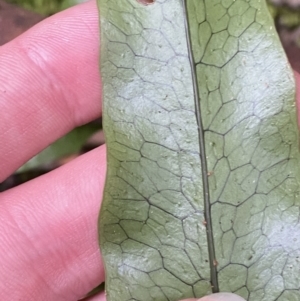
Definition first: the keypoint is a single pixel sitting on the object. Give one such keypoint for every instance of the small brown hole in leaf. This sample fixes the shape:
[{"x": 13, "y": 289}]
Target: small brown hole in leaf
[{"x": 146, "y": 2}]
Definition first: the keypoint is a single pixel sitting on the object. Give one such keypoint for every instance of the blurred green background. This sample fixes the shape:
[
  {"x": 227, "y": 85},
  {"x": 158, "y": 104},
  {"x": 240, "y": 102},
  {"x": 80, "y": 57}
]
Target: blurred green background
[{"x": 45, "y": 7}]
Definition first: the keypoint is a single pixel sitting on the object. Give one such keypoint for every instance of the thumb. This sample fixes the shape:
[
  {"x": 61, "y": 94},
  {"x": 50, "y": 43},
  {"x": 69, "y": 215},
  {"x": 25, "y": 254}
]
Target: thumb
[{"x": 219, "y": 297}]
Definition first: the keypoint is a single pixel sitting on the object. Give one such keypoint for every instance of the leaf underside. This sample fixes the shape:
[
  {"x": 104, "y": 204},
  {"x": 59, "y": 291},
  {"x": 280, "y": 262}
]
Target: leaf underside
[{"x": 202, "y": 188}]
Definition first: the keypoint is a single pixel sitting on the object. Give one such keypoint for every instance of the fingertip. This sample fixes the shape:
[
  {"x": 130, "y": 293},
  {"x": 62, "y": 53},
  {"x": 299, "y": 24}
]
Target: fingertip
[{"x": 219, "y": 297}]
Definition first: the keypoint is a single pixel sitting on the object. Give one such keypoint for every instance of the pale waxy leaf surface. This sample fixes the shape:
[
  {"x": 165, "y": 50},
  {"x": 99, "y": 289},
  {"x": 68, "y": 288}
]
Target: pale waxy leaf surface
[{"x": 202, "y": 189}]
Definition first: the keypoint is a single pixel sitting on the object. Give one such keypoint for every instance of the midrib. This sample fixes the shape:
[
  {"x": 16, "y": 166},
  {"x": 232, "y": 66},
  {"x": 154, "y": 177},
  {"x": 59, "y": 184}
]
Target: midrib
[{"x": 206, "y": 196}]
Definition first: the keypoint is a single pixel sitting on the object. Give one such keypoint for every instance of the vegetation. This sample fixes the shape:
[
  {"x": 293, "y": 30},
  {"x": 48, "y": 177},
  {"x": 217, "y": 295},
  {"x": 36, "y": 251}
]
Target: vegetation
[
  {"x": 285, "y": 16},
  {"x": 45, "y": 7}
]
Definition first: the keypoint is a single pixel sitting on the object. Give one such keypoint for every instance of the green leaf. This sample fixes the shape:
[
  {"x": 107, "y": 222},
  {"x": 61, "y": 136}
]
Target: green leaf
[{"x": 202, "y": 190}]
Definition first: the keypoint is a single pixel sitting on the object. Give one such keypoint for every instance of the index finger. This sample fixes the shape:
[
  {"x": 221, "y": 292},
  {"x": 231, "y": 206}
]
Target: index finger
[
  {"x": 49, "y": 83},
  {"x": 219, "y": 297},
  {"x": 213, "y": 297}
]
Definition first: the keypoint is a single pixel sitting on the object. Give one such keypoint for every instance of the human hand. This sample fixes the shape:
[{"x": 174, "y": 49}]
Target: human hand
[
  {"x": 219, "y": 297},
  {"x": 49, "y": 83}
]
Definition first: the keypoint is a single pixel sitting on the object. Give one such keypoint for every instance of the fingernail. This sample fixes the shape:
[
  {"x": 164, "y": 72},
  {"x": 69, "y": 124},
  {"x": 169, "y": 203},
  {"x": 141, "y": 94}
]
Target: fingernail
[
  {"x": 222, "y": 297},
  {"x": 219, "y": 297}
]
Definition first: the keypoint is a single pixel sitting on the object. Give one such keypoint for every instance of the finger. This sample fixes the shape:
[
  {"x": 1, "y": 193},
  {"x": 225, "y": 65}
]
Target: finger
[
  {"x": 49, "y": 83},
  {"x": 214, "y": 297},
  {"x": 48, "y": 232},
  {"x": 219, "y": 297}
]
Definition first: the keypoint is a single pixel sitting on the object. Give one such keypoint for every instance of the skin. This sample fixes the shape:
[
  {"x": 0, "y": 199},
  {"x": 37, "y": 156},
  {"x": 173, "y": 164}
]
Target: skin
[{"x": 49, "y": 84}]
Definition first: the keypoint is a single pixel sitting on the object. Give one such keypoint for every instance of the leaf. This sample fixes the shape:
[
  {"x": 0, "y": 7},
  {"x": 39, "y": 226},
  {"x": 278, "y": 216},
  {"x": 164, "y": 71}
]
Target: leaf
[{"x": 202, "y": 190}]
